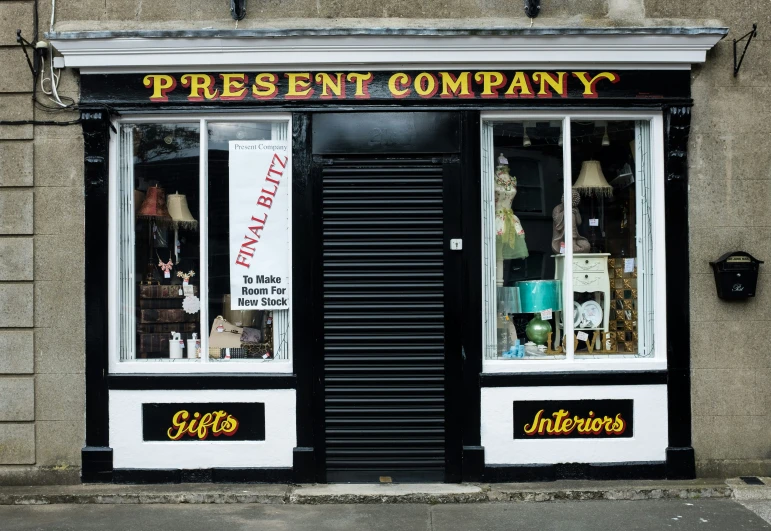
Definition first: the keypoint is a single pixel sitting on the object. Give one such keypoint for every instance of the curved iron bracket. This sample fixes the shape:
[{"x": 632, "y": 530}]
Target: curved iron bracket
[{"x": 749, "y": 36}]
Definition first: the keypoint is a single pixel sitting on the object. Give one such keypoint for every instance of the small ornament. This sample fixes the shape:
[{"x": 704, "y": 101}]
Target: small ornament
[
  {"x": 185, "y": 276},
  {"x": 192, "y": 304},
  {"x": 165, "y": 266}
]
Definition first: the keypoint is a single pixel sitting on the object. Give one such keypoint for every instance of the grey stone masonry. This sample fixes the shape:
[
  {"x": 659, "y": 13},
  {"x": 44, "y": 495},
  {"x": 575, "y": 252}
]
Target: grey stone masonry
[{"x": 17, "y": 249}]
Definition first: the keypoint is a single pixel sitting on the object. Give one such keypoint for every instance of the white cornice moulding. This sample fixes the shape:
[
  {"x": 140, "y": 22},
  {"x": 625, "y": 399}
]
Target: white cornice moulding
[{"x": 573, "y": 48}]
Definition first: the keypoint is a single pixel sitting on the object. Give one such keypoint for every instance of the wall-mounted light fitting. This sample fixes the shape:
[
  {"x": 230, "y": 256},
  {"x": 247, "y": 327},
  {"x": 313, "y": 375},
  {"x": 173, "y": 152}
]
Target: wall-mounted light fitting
[
  {"x": 605, "y": 138},
  {"x": 525, "y": 139},
  {"x": 238, "y": 9},
  {"x": 532, "y": 8}
]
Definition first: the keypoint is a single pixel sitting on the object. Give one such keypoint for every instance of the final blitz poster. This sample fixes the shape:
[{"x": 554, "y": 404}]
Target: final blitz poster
[{"x": 260, "y": 182}]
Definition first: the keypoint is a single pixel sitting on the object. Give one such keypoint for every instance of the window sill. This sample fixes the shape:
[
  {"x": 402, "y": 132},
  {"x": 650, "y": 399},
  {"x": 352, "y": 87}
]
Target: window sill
[
  {"x": 523, "y": 366},
  {"x": 195, "y": 367}
]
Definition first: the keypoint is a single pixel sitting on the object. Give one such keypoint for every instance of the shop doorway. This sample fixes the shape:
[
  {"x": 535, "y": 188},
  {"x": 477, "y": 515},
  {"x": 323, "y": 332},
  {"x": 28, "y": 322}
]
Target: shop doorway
[{"x": 388, "y": 291}]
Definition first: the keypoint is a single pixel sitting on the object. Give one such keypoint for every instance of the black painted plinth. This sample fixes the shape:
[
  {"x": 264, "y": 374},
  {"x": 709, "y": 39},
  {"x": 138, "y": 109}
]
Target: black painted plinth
[
  {"x": 96, "y": 464},
  {"x": 681, "y": 463},
  {"x": 203, "y": 475}
]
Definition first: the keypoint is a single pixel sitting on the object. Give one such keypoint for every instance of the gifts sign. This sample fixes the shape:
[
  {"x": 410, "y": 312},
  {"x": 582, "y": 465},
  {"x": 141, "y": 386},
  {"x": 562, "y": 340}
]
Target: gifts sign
[{"x": 260, "y": 178}]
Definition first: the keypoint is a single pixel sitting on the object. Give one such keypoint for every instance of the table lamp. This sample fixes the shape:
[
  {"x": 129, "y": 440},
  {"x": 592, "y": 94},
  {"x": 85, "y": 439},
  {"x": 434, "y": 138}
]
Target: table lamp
[
  {"x": 508, "y": 299},
  {"x": 536, "y": 296}
]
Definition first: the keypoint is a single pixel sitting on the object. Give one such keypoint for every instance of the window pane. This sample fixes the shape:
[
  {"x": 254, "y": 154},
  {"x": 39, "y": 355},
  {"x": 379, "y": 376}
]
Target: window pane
[
  {"x": 247, "y": 334},
  {"x": 606, "y": 261},
  {"x": 523, "y": 179},
  {"x": 160, "y": 189}
]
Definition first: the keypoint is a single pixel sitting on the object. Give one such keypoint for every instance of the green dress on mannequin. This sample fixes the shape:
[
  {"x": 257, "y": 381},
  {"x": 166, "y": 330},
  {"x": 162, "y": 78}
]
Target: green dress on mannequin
[{"x": 509, "y": 234}]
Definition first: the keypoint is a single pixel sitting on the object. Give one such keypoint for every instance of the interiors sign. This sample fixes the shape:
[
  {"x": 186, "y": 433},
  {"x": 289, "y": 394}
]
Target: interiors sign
[
  {"x": 573, "y": 419},
  {"x": 237, "y": 421},
  {"x": 260, "y": 177}
]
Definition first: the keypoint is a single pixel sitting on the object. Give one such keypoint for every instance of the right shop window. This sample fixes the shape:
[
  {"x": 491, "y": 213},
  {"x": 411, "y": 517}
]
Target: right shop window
[{"x": 568, "y": 239}]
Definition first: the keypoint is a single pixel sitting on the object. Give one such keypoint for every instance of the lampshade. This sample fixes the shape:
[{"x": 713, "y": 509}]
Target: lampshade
[
  {"x": 591, "y": 179},
  {"x": 154, "y": 205},
  {"x": 180, "y": 212},
  {"x": 508, "y": 300},
  {"x": 539, "y": 295}
]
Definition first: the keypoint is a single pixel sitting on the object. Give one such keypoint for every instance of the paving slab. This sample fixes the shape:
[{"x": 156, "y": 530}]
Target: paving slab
[
  {"x": 743, "y": 491},
  {"x": 646, "y": 515},
  {"x": 389, "y": 493}
]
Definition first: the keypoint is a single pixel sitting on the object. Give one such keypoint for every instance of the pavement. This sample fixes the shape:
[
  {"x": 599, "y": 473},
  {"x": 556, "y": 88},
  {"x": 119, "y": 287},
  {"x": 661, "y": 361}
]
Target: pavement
[
  {"x": 713, "y": 514},
  {"x": 704, "y": 505}
]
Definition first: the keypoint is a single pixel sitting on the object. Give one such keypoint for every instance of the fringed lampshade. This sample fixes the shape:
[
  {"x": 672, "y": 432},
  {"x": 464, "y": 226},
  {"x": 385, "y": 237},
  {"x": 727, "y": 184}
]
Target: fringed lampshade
[
  {"x": 154, "y": 206},
  {"x": 591, "y": 180},
  {"x": 180, "y": 212}
]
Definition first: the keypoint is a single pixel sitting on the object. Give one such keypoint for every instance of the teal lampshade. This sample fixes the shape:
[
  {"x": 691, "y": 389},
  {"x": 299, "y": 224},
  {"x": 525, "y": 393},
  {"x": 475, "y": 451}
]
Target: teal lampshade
[
  {"x": 539, "y": 295},
  {"x": 508, "y": 299}
]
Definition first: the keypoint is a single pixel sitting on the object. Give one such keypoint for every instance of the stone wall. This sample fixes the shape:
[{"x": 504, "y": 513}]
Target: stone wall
[
  {"x": 730, "y": 195},
  {"x": 42, "y": 390},
  {"x": 41, "y": 212}
]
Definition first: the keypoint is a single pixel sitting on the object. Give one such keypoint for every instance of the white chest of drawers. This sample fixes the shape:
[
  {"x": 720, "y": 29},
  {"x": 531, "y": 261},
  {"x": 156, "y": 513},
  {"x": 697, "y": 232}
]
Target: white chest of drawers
[{"x": 590, "y": 275}]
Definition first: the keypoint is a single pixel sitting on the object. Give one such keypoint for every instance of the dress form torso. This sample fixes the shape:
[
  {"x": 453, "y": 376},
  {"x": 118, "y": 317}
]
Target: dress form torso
[
  {"x": 580, "y": 244},
  {"x": 509, "y": 234}
]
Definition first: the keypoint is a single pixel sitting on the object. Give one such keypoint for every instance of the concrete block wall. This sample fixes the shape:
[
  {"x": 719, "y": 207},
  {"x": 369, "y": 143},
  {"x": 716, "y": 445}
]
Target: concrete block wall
[
  {"x": 42, "y": 393},
  {"x": 730, "y": 194},
  {"x": 41, "y": 211}
]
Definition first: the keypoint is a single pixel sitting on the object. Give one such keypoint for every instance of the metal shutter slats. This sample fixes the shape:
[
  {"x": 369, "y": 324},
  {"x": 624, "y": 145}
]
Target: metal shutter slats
[{"x": 383, "y": 300}]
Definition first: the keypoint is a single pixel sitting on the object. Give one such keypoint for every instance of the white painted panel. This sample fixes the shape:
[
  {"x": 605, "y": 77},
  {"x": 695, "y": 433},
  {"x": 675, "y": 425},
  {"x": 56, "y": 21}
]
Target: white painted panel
[
  {"x": 564, "y": 48},
  {"x": 130, "y": 451},
  {"x": 649, "y": 442}
]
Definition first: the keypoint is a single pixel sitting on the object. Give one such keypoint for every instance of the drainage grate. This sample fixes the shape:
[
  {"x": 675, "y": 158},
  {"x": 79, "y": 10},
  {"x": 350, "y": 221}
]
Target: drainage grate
[{"x": 751, "y": 480}]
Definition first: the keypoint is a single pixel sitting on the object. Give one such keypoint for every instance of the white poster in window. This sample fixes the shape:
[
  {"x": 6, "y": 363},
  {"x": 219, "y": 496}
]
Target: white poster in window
[{"x": 260, "y": 178}]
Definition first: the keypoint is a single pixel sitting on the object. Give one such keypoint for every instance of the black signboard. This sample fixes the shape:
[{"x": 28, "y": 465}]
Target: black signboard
[
  {"x": 231, "y": 421},
  {"x": 260, "y": 88},
  {"x": 573, "y": 419}
]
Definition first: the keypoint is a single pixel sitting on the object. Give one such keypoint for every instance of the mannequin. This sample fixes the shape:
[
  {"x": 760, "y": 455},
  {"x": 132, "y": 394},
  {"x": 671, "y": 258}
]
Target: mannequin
[
  {"x": 580, "y": 244},
  {"x": 509, "y": 234}
]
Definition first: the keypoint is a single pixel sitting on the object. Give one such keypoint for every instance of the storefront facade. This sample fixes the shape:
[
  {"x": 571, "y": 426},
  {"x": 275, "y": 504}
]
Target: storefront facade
[
  {"x": 376, "y": 210},
  {"x": 406, "y": 305}
]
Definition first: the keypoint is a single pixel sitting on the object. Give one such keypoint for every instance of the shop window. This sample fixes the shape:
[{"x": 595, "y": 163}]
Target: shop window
[
  {"x": 568, "y": 247},
  {"x": 180, "y": 194}
]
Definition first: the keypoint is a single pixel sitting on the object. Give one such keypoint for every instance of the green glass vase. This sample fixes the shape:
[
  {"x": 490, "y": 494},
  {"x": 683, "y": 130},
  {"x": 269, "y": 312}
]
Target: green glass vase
[{"x": 538, "y": 330}]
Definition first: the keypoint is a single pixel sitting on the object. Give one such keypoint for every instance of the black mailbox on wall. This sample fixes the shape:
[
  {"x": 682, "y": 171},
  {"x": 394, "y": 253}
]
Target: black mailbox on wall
[{"x": 736, "y": 275}]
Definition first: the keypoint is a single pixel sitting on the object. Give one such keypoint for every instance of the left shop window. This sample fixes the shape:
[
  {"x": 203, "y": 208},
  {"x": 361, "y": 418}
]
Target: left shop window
[{"x": 182, "y": 189}]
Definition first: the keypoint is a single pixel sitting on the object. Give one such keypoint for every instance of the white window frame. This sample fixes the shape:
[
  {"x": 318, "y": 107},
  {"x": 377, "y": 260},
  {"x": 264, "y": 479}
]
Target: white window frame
[
  {"x": 204, "y": 365},
  {"x": 570, "y": 363}
]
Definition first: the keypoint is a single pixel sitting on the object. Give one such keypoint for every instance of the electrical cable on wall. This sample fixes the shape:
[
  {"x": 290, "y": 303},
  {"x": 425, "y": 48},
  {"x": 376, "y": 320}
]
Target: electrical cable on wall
[{"x": 49, "y": 83}]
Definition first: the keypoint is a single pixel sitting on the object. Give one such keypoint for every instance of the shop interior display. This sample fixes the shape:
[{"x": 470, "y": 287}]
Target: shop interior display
[
  {"x": 604, "y": 312},
  {"x": 166, "y": 158},
  {"x": 168, "y": 304}
]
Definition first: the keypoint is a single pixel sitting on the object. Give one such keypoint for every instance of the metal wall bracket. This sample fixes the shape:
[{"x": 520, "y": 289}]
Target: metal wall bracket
[
  {"x": 24, "y": 43},
  {"x": 532, "y": 8},
  {"x": 749, "y": 36},
  {"x": 238, "y": 9}
]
